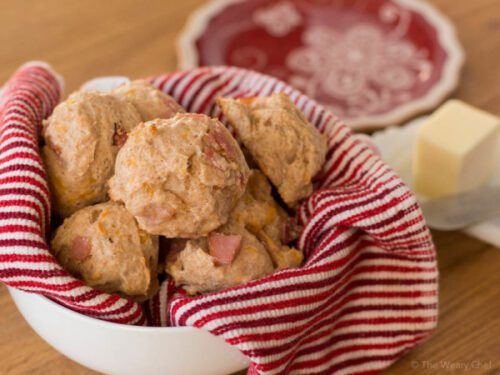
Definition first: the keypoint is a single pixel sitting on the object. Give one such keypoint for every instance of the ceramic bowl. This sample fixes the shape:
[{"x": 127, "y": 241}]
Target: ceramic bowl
[{"x": 121, "y": 349}]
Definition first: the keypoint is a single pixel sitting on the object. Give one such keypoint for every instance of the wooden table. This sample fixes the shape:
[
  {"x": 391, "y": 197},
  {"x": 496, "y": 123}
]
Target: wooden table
[{"x": 84, "y": 39}]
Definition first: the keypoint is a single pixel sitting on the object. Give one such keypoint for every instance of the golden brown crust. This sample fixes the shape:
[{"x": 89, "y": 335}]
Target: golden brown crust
[
  {"x": 180, "y": 177},
  {"x": 150, "y": 102},
  {"x": 103, "y": 245},
  {"x": 259, "y": 213},
  {"x": 199, "y": 272},
  {"x": 81, "y": 147},
  {"x": 288, "y": 149},
  {"x": 260, "y": 222}
]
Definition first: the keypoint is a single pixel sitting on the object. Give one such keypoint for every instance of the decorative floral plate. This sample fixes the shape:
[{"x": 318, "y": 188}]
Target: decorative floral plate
[{"x": 372, "y": 62}]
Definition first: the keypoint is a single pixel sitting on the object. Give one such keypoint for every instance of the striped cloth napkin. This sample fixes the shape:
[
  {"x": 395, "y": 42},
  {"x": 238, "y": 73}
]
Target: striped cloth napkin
[{"x": 366, "y": 294}]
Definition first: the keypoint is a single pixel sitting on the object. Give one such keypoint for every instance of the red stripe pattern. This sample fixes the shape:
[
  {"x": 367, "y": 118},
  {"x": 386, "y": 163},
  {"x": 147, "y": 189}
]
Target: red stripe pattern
[
  {"x": 366, "y": 294},
  {"x": 25, "y": 258}
]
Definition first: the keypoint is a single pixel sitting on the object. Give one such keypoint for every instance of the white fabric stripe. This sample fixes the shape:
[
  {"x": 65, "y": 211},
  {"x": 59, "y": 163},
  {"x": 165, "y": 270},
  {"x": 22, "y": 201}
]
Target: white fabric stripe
[
  {"x": 375, "y": 164},
  {"x": 28, "y": 265},
  {"x": 22, "y": 250},
  {"x": 345, "y": 215},
  {"x": 268, "y": 88},
  {"x": 403, "y": 205},
  {"x": 18, "y": 159},
  {"x": 9, "y": 159},
  {"x": 21, "y": 206},
  {"x": 333, "y": 256},
  {"x": 182, "y": 84},
  {"x": 58, "y": 281},
  {"x": 33, "y": 175},
  {"x": 20, "y": 235},
  {"x": 359, "y": 147},
  {"x": 167, "y": 87},
  {"x": 12, "y": 131},
  {"x": 340, "y": 147},
  {"x": 198, "y": 88},
  {"x": 353, "y": 355},
  {"x": 11, "y": 140},
  {"x": 281, "y": 87},
  {"x": 234, "y": 83},
  {"x": 21, "y": 106},
  {"x": 371, "y": 164},
  {"x": 352, "y": 193},
  {"x": 412, "y": 216},
  {"x": 108, "y": 311},
  {"x": 21, "y": 222},
  {"x": 92, "y": 303},
  {"x": 204, "y": 93},
  {"x": 15, "y": 114},
  {"x": 301, "y": 102},
  {"x": 379, "y": 175},
  {"x": 55, "y": 280},
  {"x": 326, "y": 212},
  {"x": 346, "y": 198},
  {"x": 329, "y": 335},
  {"x": 17, "y": 119},
  {"x": 301, "y": 308},
  {"x": 422, "y": 288},
  {"x": 18, "y": 129},
  {"x": 156, "y": 81},
  {"x": 429, "y": 266},
  {"x": 24, "y": 185}
]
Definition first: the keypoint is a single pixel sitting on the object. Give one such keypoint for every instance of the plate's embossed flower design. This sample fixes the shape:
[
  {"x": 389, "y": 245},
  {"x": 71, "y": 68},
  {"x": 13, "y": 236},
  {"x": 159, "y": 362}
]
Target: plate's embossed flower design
[
  {"x": 279, "y": 19},
  {"x": 374, "y": 63},
  {"x": 364, "y": 68},
  {"x": 249, "y": 57}
]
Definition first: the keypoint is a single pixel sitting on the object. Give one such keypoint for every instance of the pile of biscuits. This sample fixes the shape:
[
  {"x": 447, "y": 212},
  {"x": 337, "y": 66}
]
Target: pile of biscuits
[{"x": 135, "y": 176}]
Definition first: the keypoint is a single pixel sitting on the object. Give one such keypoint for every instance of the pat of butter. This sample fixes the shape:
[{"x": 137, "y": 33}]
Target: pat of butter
[{"x": 455, "y": 150}]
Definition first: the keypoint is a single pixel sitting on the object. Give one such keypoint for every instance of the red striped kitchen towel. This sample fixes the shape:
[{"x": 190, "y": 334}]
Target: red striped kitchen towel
[{"x": 366, "y": 294}]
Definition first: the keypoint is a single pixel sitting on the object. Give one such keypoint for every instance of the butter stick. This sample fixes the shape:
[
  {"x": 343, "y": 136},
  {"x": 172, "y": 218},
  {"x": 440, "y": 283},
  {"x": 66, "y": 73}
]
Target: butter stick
[{"x": 455, "y": 150}]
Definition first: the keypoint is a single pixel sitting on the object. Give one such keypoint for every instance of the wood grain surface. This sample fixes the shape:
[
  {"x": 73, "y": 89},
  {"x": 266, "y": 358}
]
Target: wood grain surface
[{"x": 84, "y": 39}]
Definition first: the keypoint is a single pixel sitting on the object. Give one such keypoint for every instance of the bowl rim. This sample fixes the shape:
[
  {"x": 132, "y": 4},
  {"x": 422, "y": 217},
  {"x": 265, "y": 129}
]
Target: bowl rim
[{"x": 92, "y": 320}]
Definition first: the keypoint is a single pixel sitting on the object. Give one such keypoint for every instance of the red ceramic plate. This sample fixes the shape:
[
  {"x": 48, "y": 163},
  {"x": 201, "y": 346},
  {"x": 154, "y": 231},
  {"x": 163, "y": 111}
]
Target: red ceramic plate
[{"x": 372, "y": 62}]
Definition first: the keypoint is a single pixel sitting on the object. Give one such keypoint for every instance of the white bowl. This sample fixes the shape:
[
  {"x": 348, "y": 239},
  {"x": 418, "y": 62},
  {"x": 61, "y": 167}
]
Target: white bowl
[{"x": 120, "y": 349}]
